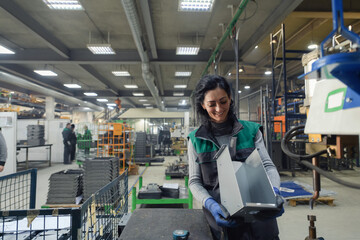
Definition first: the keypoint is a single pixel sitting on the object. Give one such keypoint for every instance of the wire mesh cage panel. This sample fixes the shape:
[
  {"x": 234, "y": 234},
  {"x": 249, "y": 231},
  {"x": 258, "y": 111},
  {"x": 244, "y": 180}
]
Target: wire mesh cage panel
[
  {"x": 18, "y": 190},
  {"x": 97, "y": 218},
  {"x": 102, "y": 212}
]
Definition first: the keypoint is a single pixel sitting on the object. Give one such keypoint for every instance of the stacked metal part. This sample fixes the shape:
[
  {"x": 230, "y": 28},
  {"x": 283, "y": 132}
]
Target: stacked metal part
[
  {"x": 65, "y": 186},
  {"x": 35, "y": 135},
  {"x": 140, "y": 145},
  {"x": 98, "y": 173}
]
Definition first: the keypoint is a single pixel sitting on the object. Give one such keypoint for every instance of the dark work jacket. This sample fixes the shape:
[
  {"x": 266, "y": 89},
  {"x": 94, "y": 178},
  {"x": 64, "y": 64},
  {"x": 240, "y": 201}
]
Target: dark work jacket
[
  {"x": 73, "y": 138},
  {"x": 206, "y": 146},
  {"x": 66, "y": 133}
]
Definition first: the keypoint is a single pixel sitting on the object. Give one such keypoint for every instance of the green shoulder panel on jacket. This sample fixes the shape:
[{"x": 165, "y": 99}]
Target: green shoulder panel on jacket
[
  {"x": 201, "y": 145},
  {"x": 247, "y": 135}
]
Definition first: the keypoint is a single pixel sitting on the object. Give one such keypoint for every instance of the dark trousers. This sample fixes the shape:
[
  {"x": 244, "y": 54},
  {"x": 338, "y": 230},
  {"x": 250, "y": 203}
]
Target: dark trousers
[
  {"x": 258, "y": 230},
  {"x": 73, "y": 150},
  {"x": 67, "y": 150}
]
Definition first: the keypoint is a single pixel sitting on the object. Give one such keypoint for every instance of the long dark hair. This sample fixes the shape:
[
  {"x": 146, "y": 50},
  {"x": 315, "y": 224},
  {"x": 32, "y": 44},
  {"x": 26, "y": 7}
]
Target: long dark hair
[{"x": 207, "y": 83}]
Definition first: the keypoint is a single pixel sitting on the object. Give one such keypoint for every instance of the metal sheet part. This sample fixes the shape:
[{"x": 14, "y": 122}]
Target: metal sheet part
[{"x": 245, "y": 188}]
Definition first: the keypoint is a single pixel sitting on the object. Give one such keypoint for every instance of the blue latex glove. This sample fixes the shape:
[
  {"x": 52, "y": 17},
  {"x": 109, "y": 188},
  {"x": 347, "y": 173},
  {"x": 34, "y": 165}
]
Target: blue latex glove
[
  {"x": 279, "y": 202},
  {"x": 218, "y": 214}
]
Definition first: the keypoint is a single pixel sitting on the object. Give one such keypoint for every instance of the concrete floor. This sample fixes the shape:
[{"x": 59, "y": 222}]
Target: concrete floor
[{"x": 333, "y": 222}]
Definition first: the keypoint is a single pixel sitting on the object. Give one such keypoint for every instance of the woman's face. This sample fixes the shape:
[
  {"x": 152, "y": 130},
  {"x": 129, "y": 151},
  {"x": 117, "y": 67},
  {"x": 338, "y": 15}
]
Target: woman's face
[{"x": 217, "y": 104}]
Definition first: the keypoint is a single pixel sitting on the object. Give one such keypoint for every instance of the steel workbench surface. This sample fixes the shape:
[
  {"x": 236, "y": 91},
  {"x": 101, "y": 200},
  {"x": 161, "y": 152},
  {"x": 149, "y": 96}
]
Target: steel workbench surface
[{"x": 160, "y": 223}]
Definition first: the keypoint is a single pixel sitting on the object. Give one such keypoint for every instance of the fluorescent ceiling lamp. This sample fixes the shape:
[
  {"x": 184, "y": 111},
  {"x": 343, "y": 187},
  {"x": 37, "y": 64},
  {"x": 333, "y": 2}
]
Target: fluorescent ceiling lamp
[
  {"x": 110, "y": 107},
  {"x": 103, "y": 49},
  {"x": 90, "y": 94},
  {"x": 268, "y": 72},
  {"x": 86, "y": 108},
  {"x": 4, "y": 50},
  {"x": 111, "y": 104},
  {"x": 121, "y": 73},
  {"x": 256, "y": 46},
  {"x": 102, "y": 100},
  {"x": 239, "y": 91},
  {"x": 180, "y": 86},
  {"x": 247, "y": 87},
  {"x": 312, "y": 46},
  {"x": 46, "y": 73},
  {"x": 195, "y": 5},
  {"x": 187, "y": 50},
  {"x": 178, "y": 94},
  {"x": 182, "y": 74},
  {"x": 147, "y": 104},
  {"x": 143, "y": 100},
  {"x": 182, "y": 103},
  {"x": 131, "y": 86},
  {"x": 72, "y": 85},
  {"x": 229, "y": 73},
  {"x": 138, "y": 94},
  {"x": 63, "y": 4},
  {"x": 149, "y": 107}
]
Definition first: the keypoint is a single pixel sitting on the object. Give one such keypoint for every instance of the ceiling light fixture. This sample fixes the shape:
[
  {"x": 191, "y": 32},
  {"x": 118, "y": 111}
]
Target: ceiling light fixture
[
  {"x": 64, "y": 4},
  {"x": 143, "y": 100},
  {"x": 241, "y": 69},
  {"x": 195, "y": 5},
  {"x": 121, "y": 73},
  {"x": 178, "y": 94},
  {"x": 182, "y": 74},
  {"x": 268, "y": 72},
  {"x": 312, "y": 46},
  {"x": 131, "y": 86},
  {"x": 138, "y": 94},
  {"x": 110, "y": 107},
  {"x": 239, "y": 91},
  {"x": 90, "y": 94},
  {"x": 72, "y": 85},
  {"x": 4, "y": 50},
  {"x": 102, "y": 100},
  {"x": 182, "y": 103},
  {"x": 187, "y": 50},
  {"x": 101, "y": 49},
  {"x": 149, "y": 107},
  {"x": 247, "y": 87},
  {"x": 47, "y": 73},
  {"x": 147, "y": 104},
  {"x": 111, "y": 104},
  {"x": 180, "y": 86},
  {"x": 256, "y": 46}
]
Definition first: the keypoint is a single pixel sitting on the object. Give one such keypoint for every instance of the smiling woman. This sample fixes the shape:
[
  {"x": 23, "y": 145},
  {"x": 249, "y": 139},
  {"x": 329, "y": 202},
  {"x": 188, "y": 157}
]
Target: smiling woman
[{"x": 219, "y": 126}]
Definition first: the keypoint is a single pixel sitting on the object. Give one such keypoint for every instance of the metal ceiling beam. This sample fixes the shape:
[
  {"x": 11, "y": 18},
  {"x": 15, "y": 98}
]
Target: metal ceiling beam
[
  {"x": 145, "y": 9},
  {"x": 89, "y": 69},
  {"x": 24, "y": 18},
  {"x": 34, "y": 78},
  {"x": 84, "y": 56},
  {"x": 278, "y": 15},
  {"x": 297, "y": 36},
  {"x": 303, "y": 14}
]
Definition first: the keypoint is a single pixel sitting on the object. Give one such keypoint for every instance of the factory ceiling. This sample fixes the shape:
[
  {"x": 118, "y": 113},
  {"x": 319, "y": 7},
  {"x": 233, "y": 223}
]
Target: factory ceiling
[{"x": 144, "y": 36}]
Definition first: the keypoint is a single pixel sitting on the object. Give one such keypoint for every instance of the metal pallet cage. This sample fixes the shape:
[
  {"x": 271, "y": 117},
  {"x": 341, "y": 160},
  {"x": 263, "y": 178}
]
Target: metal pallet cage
[
  {"x": 97, "y": 218},
  {"x": 18, "y": 190}
]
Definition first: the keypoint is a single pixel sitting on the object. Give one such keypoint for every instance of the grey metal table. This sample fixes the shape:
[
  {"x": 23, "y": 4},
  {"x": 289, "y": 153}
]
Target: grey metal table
[
  {"x": 19, "y": 147},
  {"x": 159, "y": 223}
]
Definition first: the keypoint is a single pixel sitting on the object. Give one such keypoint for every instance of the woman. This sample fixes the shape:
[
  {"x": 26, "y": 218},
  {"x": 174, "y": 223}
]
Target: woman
[{"x": 219, "y": 126}]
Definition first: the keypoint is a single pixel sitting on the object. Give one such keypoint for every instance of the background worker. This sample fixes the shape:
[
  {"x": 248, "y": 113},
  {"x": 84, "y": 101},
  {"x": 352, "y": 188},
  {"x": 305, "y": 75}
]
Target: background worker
[
  {"x": 73, "y": 140},
  {"x": 88, "y": 138},
  {"x": 66, "y": 133},
  {"x": 220, "y": 126}
]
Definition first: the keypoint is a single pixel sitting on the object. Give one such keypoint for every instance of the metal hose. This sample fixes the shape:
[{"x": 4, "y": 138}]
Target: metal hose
[{"x": 300, "y": 159}]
